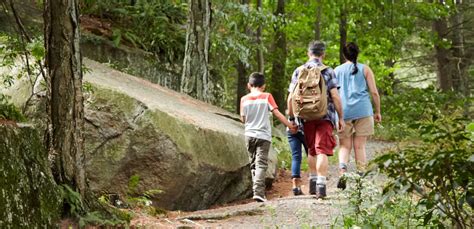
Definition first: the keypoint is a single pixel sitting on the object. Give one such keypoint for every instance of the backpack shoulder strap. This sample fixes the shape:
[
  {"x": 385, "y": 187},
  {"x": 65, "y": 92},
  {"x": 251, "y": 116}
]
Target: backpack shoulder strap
[
  {"x": 323, "y": 67},
  {"x": 299, "y": 69}
]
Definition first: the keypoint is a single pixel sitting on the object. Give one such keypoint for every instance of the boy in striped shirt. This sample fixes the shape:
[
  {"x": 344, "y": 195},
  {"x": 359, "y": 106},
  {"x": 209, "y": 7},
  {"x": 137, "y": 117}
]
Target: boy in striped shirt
[{"x": 254, "y": 112}]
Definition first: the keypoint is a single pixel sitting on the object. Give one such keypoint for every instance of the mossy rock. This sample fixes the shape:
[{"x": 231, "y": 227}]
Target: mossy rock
[{"x": 29, "y": 197}]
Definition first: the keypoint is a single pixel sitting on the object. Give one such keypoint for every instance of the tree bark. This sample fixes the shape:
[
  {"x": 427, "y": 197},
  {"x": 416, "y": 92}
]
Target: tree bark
[
  {"x": 317, "y": 22},
  {"x": 195, "y": 80},
  {"x": 241, "y": 68},
  {"x": 241, "y": 83},
  {"x": 440, "y": 27},
  {"x": 260, "y": 59},
  {"x": 342, "y": 33},
  {"x": 65, "y": 100},
  {"x": 278, "y": 67}
]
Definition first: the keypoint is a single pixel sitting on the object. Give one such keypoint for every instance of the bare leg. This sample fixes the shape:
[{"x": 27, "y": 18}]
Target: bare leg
[
  {"x": 312, "y": 164},
  {"x": 322, "y": 165},
  {"x": 344, "y": 151},
  {"x": 296, "y": 182},
  {"x": 360, "y": 155}
]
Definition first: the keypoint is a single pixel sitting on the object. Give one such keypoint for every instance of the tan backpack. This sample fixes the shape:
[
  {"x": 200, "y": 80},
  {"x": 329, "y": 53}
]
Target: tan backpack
[{"x": 309, "y": 97}]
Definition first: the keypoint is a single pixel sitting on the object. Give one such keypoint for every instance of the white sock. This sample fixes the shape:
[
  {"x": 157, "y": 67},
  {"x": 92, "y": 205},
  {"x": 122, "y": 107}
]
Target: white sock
[
  {"x": 313, "y": 176},
  {"x": 321, "y": 180}
]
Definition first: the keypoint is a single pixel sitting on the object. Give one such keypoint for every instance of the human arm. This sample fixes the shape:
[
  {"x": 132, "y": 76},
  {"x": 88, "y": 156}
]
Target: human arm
[
  {"x": 337, "y": 103},
  {"x": 242, "y": 115},
  {"x": 369, "y": 77},
  {"x": 274, "y": 109},
  {"x": 290, "y": 106},
  {"x": 291, "y": 125}
]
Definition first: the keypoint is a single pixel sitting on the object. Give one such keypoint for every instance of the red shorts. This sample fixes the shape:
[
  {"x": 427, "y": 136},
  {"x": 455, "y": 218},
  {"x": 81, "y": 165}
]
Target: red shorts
[{"x": 318, "y": 136}]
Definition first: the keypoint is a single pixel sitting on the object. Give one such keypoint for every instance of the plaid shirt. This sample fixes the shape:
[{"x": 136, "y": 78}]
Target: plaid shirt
[{"x": 331, "y": 82}]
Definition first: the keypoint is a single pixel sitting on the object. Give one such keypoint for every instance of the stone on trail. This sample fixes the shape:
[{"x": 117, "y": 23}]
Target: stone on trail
[{"x": 192, "y": 151}]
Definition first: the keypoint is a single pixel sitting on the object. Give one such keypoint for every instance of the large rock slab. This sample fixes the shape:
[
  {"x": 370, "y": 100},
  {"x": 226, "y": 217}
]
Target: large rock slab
[
  {"x": 29, "y": 197},
  {"x": 192, "y": 151}
]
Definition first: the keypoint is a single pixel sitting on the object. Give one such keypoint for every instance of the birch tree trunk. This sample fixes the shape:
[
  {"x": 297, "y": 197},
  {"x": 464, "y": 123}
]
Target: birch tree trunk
[
  {"x": 195, "y": 80},
  {"x": 65, "y": 101}
]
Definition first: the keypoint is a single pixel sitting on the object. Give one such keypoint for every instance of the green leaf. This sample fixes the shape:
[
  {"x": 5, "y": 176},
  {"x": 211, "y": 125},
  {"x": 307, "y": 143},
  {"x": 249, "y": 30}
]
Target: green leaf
[{"x": 427, "y": 218}]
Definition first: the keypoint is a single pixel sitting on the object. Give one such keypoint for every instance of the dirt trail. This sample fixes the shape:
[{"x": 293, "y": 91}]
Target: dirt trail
[{"x": 283, "y": 210}]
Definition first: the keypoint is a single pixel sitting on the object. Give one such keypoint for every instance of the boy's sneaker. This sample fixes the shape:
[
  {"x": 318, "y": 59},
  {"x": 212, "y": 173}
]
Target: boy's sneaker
[
  {"x": 341, "y": 183},
  {"x": 321, "y": 191},
  {"x": 259, "y": 198},
  {"x": 297, "y": 191},
  {"x": 312, "y": 186}
]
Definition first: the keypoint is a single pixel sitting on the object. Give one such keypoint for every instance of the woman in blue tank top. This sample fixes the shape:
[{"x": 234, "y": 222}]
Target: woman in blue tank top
[{"x": 357, "y": 84}]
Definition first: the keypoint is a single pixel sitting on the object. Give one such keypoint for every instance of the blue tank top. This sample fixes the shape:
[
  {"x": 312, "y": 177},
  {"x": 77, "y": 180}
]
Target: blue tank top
[{"x": 354, "y": 92}]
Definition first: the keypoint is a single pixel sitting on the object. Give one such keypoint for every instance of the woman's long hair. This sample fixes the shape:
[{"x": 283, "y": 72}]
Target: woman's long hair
[{"x": 351, "y": 51}]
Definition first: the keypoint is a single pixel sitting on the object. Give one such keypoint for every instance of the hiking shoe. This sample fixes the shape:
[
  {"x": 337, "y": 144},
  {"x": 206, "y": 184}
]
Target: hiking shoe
[
  {"x": 341, "y": 183},
  {"x": 321, "y": 191},
  {"x": 312, "y": 186},
  {"x": 297, "y": 191},
  {"x": 259, "y": 198}
]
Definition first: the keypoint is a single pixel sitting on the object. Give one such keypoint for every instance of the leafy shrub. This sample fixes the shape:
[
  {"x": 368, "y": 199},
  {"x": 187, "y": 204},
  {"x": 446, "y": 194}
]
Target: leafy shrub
[
  {"x": 400, "y": 111},
  {"x": 155, "y": 26},
  {"x": 438, "y": 170},
  {"x": 364, "y": 206},
  {"x": 9, "y": 111}
]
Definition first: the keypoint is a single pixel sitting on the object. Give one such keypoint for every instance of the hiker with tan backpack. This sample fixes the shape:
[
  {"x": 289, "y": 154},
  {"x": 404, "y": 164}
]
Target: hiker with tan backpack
[{"x": 313, "y": 97}]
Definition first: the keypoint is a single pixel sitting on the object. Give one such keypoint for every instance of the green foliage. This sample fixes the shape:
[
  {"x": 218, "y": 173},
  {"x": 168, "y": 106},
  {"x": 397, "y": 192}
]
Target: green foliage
[
  {"x": 133, "y": 184},
  {"x": 100, "y": 219},
  {"x": 12, "y": 51},
  {"x": 107, "y": 216},
  {"x": 9, "y": 111},
  {"x": 364, "y": 206},
  {"x": 231, "y": 41},
  {"x": 135, "y": 199},
  {"x": 402, "y": 110},
  {"x": 156, "y": 26},
  {"x": 439, "y": 170},
  {"x": 72, "y": 201}
]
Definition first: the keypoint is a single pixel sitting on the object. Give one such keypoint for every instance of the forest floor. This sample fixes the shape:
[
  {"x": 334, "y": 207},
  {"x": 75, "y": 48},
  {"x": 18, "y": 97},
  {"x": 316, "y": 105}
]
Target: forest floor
[{"x": 282, "y": 210}]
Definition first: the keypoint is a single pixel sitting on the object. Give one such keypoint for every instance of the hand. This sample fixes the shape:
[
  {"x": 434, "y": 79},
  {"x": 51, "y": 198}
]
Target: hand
[
  {"x": 377, "y": 117},
  {"x": 293, "y": 128},
  {"x": 341, "y": 125}
]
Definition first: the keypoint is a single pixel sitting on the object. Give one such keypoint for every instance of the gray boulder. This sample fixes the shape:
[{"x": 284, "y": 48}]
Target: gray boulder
[{"x": 193, "y": 152}]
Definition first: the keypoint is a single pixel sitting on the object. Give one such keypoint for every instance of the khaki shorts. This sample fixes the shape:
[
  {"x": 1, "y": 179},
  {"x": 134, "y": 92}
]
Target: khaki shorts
[{"x": 358, "y": 127}]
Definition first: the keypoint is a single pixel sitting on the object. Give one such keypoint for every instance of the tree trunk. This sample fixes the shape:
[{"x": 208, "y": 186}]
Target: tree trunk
[
  {"x": 278, "y": 67},
  {"x": 195, "y": 80},
  {"x": 241, "y": 68},
  {"x": 65, "y": 107},
  {"x": 342, "y": 33},
  {"x": 440, "y": 27},
  {"x": 460, "y": 75},
  {"x": 260, "y": 60},
  {"x": 317, "y": 23},
  {"x": 241, "y": 83}
]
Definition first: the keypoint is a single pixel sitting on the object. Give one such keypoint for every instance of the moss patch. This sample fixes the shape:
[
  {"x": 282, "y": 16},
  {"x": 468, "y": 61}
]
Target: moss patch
[
  {"x": 213, "y": 148},
  {"x": 29, "y": 197}
]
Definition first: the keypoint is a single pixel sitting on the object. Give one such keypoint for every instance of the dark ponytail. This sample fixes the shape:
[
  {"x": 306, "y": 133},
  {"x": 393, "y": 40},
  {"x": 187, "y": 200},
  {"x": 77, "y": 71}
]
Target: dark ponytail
[{"x": 351, "y": 51}]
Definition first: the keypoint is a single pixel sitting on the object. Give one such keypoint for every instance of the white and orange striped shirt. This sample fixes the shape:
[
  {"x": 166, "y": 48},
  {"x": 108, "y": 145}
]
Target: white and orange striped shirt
[{"x": 255, "y": 107}]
